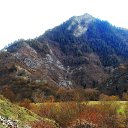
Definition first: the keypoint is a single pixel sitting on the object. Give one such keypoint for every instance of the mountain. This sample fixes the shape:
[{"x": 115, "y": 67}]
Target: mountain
[
  {"x": 82, "y": 52},
  {"x": 117, "y": 83}
]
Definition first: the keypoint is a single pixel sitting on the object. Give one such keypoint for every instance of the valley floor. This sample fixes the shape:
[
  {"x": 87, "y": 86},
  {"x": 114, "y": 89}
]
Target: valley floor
[
  {"x": 89, "y": 114},
  {"x": 97, "y": 114}
]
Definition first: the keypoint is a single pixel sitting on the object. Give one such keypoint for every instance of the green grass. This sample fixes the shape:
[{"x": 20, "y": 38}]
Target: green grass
[
  {"x": 15, "y": 112},
  {"x": 2, "y": 126},
  {"x": 121, "y": 105}
]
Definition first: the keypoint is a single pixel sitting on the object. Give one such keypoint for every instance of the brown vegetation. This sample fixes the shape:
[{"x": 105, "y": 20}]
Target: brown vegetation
[{"x": 68, "y": 114}]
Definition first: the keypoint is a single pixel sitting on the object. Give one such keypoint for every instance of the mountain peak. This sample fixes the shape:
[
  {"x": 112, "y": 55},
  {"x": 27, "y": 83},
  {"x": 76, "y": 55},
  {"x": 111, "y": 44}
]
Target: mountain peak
[
  {"x": 85, "y": 16},
  {"x": 79, "y": 24}
]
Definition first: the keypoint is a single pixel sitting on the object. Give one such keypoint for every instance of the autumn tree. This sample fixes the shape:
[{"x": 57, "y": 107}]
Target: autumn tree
[
  {"x": 25, "y": 103},
  {"x": 8, "y": 93}
]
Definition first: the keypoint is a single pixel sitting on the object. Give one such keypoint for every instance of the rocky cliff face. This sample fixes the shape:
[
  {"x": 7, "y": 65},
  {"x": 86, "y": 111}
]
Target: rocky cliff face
[{"x": 80, "y": 24}]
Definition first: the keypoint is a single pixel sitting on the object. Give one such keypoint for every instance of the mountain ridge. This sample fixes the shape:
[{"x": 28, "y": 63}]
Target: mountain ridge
[{"x": 82, "y": 52}]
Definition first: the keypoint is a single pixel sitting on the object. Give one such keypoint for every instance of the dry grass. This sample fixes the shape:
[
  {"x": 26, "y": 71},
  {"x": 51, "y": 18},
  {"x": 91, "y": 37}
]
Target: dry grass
[{"x": 101, "y": 114}]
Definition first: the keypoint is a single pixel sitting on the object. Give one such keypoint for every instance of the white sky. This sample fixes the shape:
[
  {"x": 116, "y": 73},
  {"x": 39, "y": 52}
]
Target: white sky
[{"x": 30, "y": 18}]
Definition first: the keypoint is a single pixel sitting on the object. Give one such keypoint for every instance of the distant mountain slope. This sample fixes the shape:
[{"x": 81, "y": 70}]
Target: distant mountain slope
[
  {"x": 81, "y": 52},
  {"x": 117, "y": 84},
  {"x": 100, "y": 37}
]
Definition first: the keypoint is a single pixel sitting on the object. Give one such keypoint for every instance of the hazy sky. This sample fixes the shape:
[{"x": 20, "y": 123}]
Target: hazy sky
[{"x": 30, "y": 18}]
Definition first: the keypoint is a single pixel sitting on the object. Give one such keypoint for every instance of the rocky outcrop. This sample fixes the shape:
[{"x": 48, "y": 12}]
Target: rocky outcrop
[
  {"x": 8, "y": 123},
  {"x": 83, "y": 124}
]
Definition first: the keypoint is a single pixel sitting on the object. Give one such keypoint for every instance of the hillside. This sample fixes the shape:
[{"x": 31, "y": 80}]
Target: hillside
[
  {"x": 22, "y": 117},
  {"x": 117, "y": 84},
  {"x": 80, "y": 53}
]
